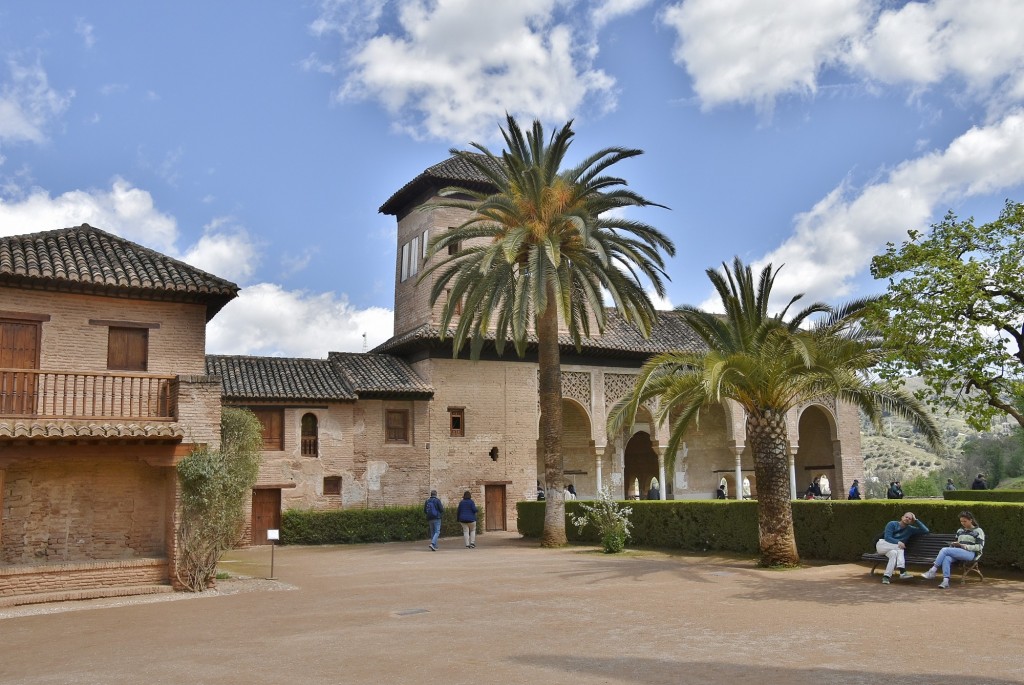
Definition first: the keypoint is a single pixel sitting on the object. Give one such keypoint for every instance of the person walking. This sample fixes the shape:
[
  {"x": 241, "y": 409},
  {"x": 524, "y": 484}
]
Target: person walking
[
  {"x": 970, "y": 541},
  {"x": 979, "y": 483},
  {"x": 467, "y": 518},
  {"x": 854, "y": 490},
  {"x": 950, "y": 485},
  {"x": 894, "y": 541},
  {"x": 434, "y": 509}
]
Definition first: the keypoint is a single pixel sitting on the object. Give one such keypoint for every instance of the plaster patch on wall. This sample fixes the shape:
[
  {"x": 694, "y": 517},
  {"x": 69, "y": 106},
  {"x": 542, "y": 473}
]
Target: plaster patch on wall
[
  {"x": 375, "y": 470},
  {"x": 616, "y": 478}
]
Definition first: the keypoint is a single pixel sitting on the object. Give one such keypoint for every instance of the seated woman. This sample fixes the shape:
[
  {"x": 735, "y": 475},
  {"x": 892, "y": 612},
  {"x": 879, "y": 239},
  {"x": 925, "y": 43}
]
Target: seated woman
[{"x": 970, "y": 541}]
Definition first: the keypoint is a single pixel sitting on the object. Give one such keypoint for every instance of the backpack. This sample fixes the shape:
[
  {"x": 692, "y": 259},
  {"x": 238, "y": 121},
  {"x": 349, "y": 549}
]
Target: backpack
[{"x": 430, "y": 507}]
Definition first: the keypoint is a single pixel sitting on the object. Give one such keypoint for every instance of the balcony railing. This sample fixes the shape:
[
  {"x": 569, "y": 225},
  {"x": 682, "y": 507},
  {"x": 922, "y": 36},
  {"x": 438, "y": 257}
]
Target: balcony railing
[{"x": 86, "y": 395}]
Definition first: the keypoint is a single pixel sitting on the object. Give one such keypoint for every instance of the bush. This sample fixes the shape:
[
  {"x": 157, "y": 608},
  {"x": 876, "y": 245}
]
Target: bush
[
  {"x": 984, "y": 495},
  {"x": 390, "y": 524},
  {"x": 825, "y": 529},
  {"x": 215, "y": 487},
  {"x": 609, "y": 521}
]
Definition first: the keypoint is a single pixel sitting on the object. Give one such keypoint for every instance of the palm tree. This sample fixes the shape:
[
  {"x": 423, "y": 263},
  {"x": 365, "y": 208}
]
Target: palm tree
[
  {"x": 544, "y": 246},
  {"x": 769, "y": 365}
]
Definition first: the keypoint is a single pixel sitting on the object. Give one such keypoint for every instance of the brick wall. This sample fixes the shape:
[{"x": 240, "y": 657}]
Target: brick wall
[
  {"x": 80, "y": 580},
  {"x": 82, "y": 509},
  {"x": 70, "y": 342}
]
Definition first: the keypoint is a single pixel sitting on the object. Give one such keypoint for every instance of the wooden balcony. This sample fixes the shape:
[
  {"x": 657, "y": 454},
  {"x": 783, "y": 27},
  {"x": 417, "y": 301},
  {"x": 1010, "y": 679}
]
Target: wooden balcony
[{"x": 86, "y": 396}]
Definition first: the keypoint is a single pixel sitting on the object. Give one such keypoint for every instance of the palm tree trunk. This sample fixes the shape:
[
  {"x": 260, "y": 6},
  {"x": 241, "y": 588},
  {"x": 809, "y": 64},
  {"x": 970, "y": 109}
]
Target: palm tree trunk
[
  {"x": 550, "y": 372},
  {"x": 767, "y": 436}
]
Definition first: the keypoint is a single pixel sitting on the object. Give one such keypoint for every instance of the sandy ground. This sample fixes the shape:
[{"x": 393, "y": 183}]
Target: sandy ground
[{"x": 509, "y": 612}]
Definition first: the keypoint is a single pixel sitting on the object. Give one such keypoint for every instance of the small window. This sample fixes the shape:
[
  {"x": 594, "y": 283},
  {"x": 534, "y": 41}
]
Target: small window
[
  {"x": 332, "y": 485},
  {"x": 272, "y": 421},
  {"x": 405, "y": 261},
  {"x": 425, "y": 235},
  {"x": 310, "y": 437},
  {"x": 414, "y": 256},
  {"x": 397, "y": 426},
  {"x": 457, "y": 422},
  {"x": 128, "y": 349}
]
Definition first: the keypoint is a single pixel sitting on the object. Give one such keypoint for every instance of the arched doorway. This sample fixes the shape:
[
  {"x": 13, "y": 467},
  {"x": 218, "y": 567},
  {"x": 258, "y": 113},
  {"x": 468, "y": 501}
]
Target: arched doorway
[
  {"x": 815, "y": 456},
  {"x": 640, "y": 467},
  {"x": 578, "y": 456}
]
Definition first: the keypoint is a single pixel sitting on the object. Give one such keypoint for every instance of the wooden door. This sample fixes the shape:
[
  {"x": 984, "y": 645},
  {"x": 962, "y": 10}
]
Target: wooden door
[
  {"x": 494, "y": 507},
  {"x": 266, "y": 513},
  {"x": 19, "y": 349}
]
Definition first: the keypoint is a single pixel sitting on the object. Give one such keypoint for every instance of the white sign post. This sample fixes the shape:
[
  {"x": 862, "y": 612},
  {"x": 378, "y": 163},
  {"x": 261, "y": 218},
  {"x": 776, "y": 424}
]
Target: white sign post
[{"x": 273, "y": 535}]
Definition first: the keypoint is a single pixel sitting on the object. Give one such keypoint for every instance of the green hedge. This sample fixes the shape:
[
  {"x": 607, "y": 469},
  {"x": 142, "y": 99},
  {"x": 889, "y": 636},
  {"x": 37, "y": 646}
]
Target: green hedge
[
  {"x": 390, "y": 524},
  {"x": 984, "y": 495},
  {"x": 828, "y": 530}
]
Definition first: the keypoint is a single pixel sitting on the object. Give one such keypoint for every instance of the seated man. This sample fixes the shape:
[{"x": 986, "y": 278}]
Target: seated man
[{"x": 893, "y": 543}]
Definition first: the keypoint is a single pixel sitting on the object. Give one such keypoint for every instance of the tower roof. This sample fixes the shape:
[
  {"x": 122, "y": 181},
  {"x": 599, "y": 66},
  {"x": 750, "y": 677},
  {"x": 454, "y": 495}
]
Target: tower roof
[{"x": 454, "y": 171}]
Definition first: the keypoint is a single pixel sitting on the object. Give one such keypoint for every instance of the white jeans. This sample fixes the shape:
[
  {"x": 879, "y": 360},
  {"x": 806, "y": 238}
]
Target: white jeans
[
  {"x": 469, "y": 532},
  {"x": 895, "y": 554}
]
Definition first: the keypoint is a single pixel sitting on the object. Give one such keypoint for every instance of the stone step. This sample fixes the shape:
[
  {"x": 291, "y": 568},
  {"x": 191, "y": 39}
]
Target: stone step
[{"x": 85, "y": 593}]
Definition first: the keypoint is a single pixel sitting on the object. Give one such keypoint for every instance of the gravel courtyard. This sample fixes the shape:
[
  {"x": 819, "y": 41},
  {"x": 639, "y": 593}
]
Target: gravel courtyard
[{"x": 509, "y": 612}]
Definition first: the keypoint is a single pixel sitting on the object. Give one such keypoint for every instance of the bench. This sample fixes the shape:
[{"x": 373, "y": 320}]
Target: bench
[{"x": 922, "y": 550}]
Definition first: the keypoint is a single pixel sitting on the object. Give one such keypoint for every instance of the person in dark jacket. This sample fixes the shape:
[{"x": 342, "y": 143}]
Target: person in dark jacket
[
  {"x": 434, "y": 509},
  {"x": 979, "y": 483},
  {"x": 854, "y": 490},
  {"x": 467, "y": 517}
]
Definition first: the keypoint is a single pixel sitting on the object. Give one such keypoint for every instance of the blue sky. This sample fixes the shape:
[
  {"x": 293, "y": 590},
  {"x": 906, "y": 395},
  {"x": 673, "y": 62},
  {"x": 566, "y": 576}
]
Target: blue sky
[{"x": 257, "y": 140}]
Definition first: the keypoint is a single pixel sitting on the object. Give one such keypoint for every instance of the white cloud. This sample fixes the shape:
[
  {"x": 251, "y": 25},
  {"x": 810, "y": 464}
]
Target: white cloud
[
  {"x": 28, "y": 105},
  {"x": 921, "y": 44},
  {"x": 609, "y": 10},
  {"x": 267, "y": 320},
  {"x": 456, "y": 66},
  {"x": 835, "y": 240},
  {"x": 226, "y": 250},
  {"x": 123, "y": 210},
  {"x": 85, "y": 30},
  {"x": 751, "y": 51}
]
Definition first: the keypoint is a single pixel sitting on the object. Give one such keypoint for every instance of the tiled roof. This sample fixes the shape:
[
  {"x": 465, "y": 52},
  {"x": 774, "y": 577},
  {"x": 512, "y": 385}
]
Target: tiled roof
[
  {"x": 278, "y": 378},
  {"x": 86, "y": 259},
  {"x": 342, "y": 377},
  {"x": 454, "y": 171},
  {"x": 619, "y": 340},
  {"x": 379, "y": 374}
]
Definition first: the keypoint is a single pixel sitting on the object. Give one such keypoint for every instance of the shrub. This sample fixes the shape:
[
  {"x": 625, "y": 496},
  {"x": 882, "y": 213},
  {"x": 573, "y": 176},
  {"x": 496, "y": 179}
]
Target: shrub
[
  {"x": 611, "y": 522},
  {"x": 390, "y": 524},
  {"x": 215, "y": 487}
]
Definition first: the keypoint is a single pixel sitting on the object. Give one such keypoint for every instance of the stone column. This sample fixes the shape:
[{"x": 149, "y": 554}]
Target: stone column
[
  {"x": 661, "y": 476},
  {"x": 739, "y": 472},
  {"x": 792, "y": 471}
]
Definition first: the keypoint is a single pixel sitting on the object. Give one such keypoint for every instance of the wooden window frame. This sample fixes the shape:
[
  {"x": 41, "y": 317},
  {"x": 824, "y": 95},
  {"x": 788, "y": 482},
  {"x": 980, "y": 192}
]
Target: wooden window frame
[
  {"x": 457, "y": 422},
  {"x": 271, "y": 442},
  {"x": 130, "y": 335},
  {"x": 309, "y": 444},
  {"x": 332, "y": 491},
  {"x": 397, "y": 435}
]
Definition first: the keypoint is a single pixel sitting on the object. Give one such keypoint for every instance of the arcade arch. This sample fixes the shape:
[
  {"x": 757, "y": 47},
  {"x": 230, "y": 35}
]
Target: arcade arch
[{"x": 816, "y": 453}]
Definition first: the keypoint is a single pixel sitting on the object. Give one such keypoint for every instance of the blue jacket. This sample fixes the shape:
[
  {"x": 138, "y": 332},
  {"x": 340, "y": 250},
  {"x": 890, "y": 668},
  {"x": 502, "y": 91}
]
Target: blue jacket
[
  {"x": 467, "y": 511},
  {"x": 895, "y": 534}
]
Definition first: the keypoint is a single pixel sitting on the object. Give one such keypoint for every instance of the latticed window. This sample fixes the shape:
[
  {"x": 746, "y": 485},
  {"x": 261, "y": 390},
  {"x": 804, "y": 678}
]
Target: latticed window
[
  {"x": 457, "y": 421},
  {"x": 332, "y": 485},
  {"x": 310, "y": 443},
  {"x": 396, "y": 425}
]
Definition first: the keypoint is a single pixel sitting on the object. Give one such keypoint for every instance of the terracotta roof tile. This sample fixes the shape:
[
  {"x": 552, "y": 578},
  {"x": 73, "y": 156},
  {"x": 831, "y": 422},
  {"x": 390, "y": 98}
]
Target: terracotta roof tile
[
  {"x": 278, "y": 379},
  {"x": 343, "y": 377},
  {"x": 379, "y": 374},
  {"x": 618, "y": 340},
  {"x": 453, "y": 171},
  {"x": 86, "y": 259}
]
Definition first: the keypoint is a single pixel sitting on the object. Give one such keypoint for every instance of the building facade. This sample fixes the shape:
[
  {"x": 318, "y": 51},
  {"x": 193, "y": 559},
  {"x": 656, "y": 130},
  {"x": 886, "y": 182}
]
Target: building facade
[
  {"x": 102, "y": 391},
  {"x": 427, "y": 419}
]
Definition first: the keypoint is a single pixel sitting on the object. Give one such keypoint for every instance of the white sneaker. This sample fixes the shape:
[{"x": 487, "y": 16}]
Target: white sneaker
[
  {"x": 929, "y": 574},
  {"x": 944, "y": 585},
  {"x": 906, "y": 575}
]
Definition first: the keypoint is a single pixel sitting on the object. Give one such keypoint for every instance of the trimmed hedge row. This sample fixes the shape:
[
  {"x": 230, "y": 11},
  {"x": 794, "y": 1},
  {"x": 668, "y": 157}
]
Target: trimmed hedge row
[
  {"x": 984, "y": 495},
  {"x": 390, "y": 524},
  {"x": 837, "y": 530}
]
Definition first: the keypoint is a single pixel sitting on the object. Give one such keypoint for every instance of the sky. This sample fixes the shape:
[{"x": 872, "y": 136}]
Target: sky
[{"x": 257, "y": 140}]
